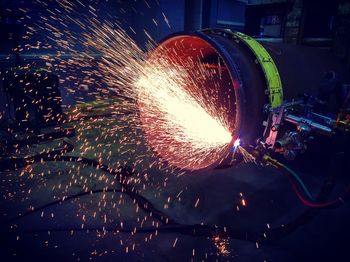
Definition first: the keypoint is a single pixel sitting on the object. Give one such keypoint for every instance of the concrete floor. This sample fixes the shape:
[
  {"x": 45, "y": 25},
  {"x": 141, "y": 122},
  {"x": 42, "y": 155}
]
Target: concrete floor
[{"x": 211, "y": 197}]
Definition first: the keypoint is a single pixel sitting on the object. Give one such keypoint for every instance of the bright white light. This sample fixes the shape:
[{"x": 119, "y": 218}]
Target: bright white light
[
  {"x": 237, "y": 142},
  {"x": 176, "y": 123},
  {"x": 185, "y": 118}
]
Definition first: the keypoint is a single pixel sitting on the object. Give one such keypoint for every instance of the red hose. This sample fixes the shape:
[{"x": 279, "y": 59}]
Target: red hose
[{"x": 308, "y": 203}]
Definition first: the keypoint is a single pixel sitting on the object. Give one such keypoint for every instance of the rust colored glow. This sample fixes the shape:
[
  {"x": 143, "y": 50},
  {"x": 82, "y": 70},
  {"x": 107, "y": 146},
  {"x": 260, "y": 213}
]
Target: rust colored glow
[{"x": 187, "y": 103}]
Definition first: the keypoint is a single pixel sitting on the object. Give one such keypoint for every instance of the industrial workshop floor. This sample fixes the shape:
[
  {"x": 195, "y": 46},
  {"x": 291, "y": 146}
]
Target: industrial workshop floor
[{"x": 244, "y": 198}]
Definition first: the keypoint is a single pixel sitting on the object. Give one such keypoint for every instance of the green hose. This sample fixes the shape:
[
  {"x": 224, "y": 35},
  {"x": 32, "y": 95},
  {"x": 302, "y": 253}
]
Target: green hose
[{"x": 306, "y": 190}]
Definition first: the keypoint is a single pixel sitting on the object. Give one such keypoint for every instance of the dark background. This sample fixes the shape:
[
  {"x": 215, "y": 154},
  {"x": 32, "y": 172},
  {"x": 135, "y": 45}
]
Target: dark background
[
  {"x": 323, "y": 24},
  {"x": 320, "y": 24}
]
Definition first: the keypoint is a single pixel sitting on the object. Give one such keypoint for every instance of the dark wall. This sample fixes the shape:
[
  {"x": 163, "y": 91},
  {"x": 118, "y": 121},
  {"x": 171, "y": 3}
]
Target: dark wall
[
  {"x": 224, "y": 14},
  {"x": 319, "y": 18},
  {"x": 255, "y": 14},
  {"x": 140, "y": 15},
  {"x": 158, "y": 17}
]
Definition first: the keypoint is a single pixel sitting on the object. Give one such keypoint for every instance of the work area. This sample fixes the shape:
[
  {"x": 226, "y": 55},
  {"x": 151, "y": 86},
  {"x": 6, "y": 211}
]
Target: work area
[{"x": 158, "y": 130}]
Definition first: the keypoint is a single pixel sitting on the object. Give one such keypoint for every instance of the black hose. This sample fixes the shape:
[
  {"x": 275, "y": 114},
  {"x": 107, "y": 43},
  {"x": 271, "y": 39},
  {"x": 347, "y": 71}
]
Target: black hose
[
  {"x": 277, "y": 233},
  {"x": 61, "y": 200},
  {"x": 119, "y": 174},
  {"x": 169, "y": 224}
]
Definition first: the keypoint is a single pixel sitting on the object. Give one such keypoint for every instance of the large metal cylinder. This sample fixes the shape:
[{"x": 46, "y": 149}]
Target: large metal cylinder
[{"x": 242, "y": 82}]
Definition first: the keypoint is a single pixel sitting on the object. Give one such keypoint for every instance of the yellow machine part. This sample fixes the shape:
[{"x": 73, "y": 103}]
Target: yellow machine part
[{"x": 268, "y": 66}]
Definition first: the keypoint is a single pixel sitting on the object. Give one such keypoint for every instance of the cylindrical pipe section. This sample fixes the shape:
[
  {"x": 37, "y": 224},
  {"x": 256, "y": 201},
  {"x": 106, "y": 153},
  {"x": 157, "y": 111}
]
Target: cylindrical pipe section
[{"x": 240, "y": 84}]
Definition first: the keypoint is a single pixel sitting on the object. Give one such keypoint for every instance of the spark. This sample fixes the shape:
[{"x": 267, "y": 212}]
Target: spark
[
  {"x": 161, "y": 116},
  {"x": 181, "y": 124},
  {"x": 197, "y": 202},
  {"x": 222, "y": 245},
  {"x": 174, "y": 244},
  {"x": 247, "y": 157},
  {"x": 176, "y": 118},
  {"x": 236, "y": 143},
  {"x": 236, "y": 146},
  {"x": 181, "y": 112}
]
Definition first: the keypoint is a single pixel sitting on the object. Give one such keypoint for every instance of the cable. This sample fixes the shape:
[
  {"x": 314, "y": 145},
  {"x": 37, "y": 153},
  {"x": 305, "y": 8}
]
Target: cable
[
  {"x": 143, "y": 203},
  {"x": 276, "y": 233},
  {"x": 328, "y": 204},
  {"x": 61, "y": 200},
  {"x": 303, "y": 186},
  {"x": 119, "y": 174},
  {"x": 169, "y": 224},
  {"x": 194, "y": 229}
]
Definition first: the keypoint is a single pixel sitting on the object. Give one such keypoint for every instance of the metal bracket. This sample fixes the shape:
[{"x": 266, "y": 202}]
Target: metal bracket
[{"x": 275, "y": 120}]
